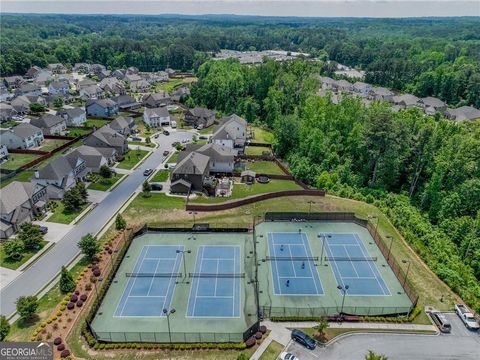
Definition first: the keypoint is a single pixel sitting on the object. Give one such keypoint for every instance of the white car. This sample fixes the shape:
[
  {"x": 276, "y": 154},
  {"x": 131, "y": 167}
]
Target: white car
[{"x": 288, "y": 356}]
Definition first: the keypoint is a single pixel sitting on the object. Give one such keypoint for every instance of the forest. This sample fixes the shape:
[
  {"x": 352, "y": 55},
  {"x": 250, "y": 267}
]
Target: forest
[
  {"x": 437, "y": 57},
  {"x": 422, "y": 171}
]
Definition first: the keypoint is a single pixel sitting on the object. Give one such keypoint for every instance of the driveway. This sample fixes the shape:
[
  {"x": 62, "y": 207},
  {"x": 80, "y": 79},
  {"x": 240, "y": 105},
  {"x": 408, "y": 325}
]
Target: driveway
[
  {"x": 56, "y": 231},
  {"x": 32, "y": 280},
  {"x": 459, "y": 344},
  {"x": 7, "y": 276}
]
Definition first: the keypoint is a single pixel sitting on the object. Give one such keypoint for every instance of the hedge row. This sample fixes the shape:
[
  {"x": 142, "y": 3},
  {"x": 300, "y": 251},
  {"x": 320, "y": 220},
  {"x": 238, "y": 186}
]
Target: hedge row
[{"x": 154, "y": 346}]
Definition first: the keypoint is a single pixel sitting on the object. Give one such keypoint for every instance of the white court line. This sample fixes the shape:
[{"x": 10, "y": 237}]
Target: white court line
[
  {"x": 276, "y": 263},
  {"x": 171, "y": 278},
  {"x": 151, "y": 280},
  {"x": 202, "y": 248},
  {"x": 215, "y": 297},
  {"x": 350, "y": 261},
  {"x": 160, "y": 258},
  {"x": 305, "y": 239},
  {"x": 297, "y": 277},
  {"x": 149, "y": 296},
  {"x": 333, "y": 261},
  {"x": 218, "y": 258},
  {"x": 135, "y": 279},
  {"x": 356, "y": 278},
  {"x": 216, "y": 280}
]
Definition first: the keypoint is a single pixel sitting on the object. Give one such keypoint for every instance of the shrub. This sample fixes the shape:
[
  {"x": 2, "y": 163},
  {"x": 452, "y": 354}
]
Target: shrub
[
  {"x": 88, "y": 287},
  {"x": 262, "y": 329},
  {"x": 70, "y": 305},
  {"x": 258, "y": 335},
  {"x": 79, "y": 303},
  {"x": 61, "y": 347},
  {"x": 96, "y": 272},
  {"x": 64, "y": 354},
  {"x": 49, "y": 335},
  {"x": 83, "y": 297},
  {"x": 74, "y": 298},
  {"x": 77, "y": 292},
  {"x": 250, "y": 342}
]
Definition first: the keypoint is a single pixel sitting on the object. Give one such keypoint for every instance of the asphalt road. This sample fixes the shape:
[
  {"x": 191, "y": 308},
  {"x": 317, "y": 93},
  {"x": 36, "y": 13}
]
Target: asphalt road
[
  {"x": 32, "y": 280},
  {"x": 459, "y": 344}
]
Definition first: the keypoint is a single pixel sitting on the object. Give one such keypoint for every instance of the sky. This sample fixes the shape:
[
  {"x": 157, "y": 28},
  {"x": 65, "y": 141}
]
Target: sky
[{"x": 310, "y": 8}]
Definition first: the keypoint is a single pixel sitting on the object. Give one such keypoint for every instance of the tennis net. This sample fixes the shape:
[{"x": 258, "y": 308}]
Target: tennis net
[
  {"x": 291, "y": 258},
  {"x": 165, "y": 275},
  {"x": 346, "y": 258},
  {"x": 216, "y": 275}
]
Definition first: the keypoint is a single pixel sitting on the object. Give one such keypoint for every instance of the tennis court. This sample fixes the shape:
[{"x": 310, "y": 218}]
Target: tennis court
[
  {"x": 292, "y": 263},
  {"x": 353, "y": 266},
  {"x": 215, "y": 291},
  {"x": 150, "y": 287}
]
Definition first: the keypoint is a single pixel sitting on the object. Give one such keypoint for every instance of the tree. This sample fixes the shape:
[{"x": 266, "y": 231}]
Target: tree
[
  {"x": 82, "y": 191},
  {"x": 13, "y": 249},
  {"x": 148, "y": 140},
  {"x": 372, "y": 356},
  {"x": 37, "y": 108},
  {"x": 120, "y": 223},
  {"x": 30, "y": 235},
  {"x": 26, "y": 306},
  {"x": 89, "y": 246},
  {"x": 105, "y": 172},
  {"x": 58, "y": 102},
  {"x": 146, "y": 188},
  {"x": 321, "y": 327},
  {"x": 67, "y": 284},
  {"x": 4, "y": 327},
  {"x": 72, "y": 199}
]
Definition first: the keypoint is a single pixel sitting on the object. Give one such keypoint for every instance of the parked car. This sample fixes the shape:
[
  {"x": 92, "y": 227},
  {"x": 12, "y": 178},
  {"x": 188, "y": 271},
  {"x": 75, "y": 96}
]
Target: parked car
[
  {"x": 43, "y": 229},
  {"x": 147, "y": 172},
  {"x": 288, "y": 356},
  {"x": 441, "y": 321},
  {"x": 203, "y": 137},
  {"x": 135, "y": 138},
  {"x": 166, "y": 133},
  {"x": 156, "y": 136},
  {"x": 156, "y": 186},
  {"x": 166, "y": 152},
  {"x": 304, "y": 339},
  {"x": 467, "y": 317}
]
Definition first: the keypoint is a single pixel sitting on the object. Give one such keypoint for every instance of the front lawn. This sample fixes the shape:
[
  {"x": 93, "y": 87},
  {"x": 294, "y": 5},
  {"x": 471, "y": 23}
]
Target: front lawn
[
  {"x": 265, "y": 167},
  {"x": 257, "y": 150},
  {"x": 98, "y": 123},
  {"x": 132, "y": 157},
  {"x": 174, "y": 157},
  {"x": 206, "y": 131},
  {"x": 26, "y": 255},
  {"x": 272, "y": 351},
  {"x": 62, "y": 216},
  {"x": 50, "y": 144},
  {"x": 241, "y": 191},
  {"x": 261, "y": 135},
  {"x": 15, "y": 161},
  {"x": 161, "y": 176},
  {"x": 103, "y": 184}
]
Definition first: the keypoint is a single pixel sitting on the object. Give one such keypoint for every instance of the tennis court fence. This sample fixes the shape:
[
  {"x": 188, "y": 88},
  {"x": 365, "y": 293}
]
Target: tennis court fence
[
  {"x": 372, "y": 229},
  {"x": 280, "y": 311}
]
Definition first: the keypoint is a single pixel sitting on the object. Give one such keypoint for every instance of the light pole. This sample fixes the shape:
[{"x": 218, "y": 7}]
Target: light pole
[
  {"x": 310, "y": 203},
  {"x": 183, "y": 258},
  {"x": 193, "y": 213},
  {"x": 323, "y": 246},
  {"x": 408, "y": 269},
  {"x": 390, "y": 247},
  {"x": 167, "y": 314},
  {"x": 343, "y": 289}
]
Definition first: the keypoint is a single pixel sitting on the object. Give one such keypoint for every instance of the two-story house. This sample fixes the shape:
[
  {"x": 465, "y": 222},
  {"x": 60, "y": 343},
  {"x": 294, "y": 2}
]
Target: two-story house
[
  {"x": 60, "y": 175},
  {"x": 59, "y": 87},
  {"x": 157, "y": 100},
  {"x": 190, "y": 173},
  {"x": 101, "y": 108},
  {"x": 6, "y": 112},
  {"x": 94, "y": 159},
  {"x": 199, "y": 118},
  {"x": 232, "y": 132},
  {"x": 73, "y": 116},
  {"x": 50, "y": 124},
  {"x": 126, "y": 102},
  {"x": 57, "y": 68},
  {"x": 106, "y": 137},
  {"x": 123, "y": 125},
  {"x": 156, "y": 117},
  {"x": 91, "y": 92},
  {"x": 20, "y": 202},
  {"x": 22, "y": 136}
]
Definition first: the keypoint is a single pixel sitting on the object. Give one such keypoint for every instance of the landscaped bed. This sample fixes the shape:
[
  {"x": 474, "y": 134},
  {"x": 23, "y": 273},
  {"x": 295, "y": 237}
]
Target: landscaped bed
[
  {"x": 62, "y": 216},
  {"x": 26, "y": 255},
  {"x": 132, "y": 157}
]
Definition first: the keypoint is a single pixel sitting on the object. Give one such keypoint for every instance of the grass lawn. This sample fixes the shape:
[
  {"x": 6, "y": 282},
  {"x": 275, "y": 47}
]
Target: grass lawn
[
  {"x": 103, "y": 184},
  {"x": 62, "y": 216},
  {"x": 8, "y": 124},
  {"x": 50, "y": 144},
  {"x": 78, "y": 131},
  {"x": 132, "y": 157},
  {"x": 174, "y": 157},
  {"x": 170, "y": 85},
  {"x": 95, "y": 122},
  {"x": 23, "y": 330},
  {"x": 265, "y": 167},
  {"x": 141, "y": 143},
  {"x": 142, "y": 129},
  {"x": 15, "y": 264},
  {"x": 158, "y": 201},
  {"x": 261, "y": 135},
  {"x": 257, "y": 150},
  {"x": 206, "y": 131},
  {"x": 272, "y": 351},
  {"x": 241, "y": 191},
  {"x": 161, "y": 176},
  {"x": 17, "y": 160},
  {"x": 23, "y": 176}
]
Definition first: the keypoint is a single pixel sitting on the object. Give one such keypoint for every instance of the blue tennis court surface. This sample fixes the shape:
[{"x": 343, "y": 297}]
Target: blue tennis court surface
[
  {"x": 216, "y": 294},
  {"x": 148, "y": 296},
  {"x": 290, "y": 276},
  {"x": 362, "y": 277}
]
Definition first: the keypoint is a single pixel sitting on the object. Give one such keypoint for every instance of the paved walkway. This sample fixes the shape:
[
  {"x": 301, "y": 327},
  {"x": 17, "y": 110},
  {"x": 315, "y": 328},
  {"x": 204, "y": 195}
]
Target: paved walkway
[{"x": 280, "y": 331}]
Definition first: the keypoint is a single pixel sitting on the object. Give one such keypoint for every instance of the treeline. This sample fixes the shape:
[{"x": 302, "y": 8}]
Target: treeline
[
  {"x": 423, "y": 171},
  {"x": 438, "y": 57}
]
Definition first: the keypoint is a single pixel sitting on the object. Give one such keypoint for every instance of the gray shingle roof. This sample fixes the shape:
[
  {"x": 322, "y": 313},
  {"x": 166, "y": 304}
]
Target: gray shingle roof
[
  {"x": 58, "y": 168},
  {"x": 47, "y": 121},
  {"x": 25, "y": 130},
  {"x": 157, "y": 112},
  {"x": 15, "y": 194},
  {"x": 195, "y": 163}
]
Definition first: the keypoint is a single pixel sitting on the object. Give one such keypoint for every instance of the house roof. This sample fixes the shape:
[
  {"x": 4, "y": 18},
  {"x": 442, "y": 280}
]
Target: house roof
[
  {"x": 217, "y": 153},
  {"x": 29, "y": 87},
  {"x": 86, "y": 82},
  {"x": 381, "y": 91},
  {"x": 163, "y": 95},
  {"x": 60, "y": 84},
  {"x": 59, "y": 167},
  {"x": 195, "y": 163},
  {"x": 71, "y": 113},
  {"x": 201, "y": 112},
  {"x": 248, "y": 173},
  {"x": 91, "y": 90},
  {"x": 109, "y": 136},
  {"x": 25, "y": 130},
  {"x": 464, "y": 113},
  {"x": 182, "y": 182},
  {"x": 431, "y": 101},
  {"x": 104, "y": 103},
  {"x": 121, "y": 123},
  {"x": 157, "y": 112},
  {"x": 233, "y": 127},
  {"x": 407, "y": 99},
  {"x": 182, "y": 90},
  {"x": 123, "y": 100},
  {"x": 15, "y": 194},
  {"x": 92, "y": 156},
  {"x": 361, "y": 85},
  {"x": 47, "y": 121}
]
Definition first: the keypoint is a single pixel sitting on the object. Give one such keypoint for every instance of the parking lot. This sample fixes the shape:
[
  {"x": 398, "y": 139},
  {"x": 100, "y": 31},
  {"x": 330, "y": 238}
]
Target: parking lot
[{"x": 459, "y": 344}]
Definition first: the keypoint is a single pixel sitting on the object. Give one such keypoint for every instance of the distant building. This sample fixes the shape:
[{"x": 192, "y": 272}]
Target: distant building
[
  {"x": 432, "y": 105},
  {"x": 6, "y": 112},
  {"x": 57, "y": 68},
  {"x": 126, "y": 102}
]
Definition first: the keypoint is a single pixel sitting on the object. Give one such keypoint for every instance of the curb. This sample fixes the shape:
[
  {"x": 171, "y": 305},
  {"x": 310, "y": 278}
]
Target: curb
[{"x": 37, "y": 256}]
